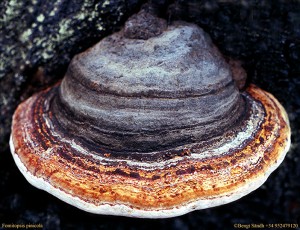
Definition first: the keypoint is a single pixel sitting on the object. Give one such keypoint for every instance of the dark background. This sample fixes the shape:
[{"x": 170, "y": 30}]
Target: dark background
[{"x": 35, "y": 51}]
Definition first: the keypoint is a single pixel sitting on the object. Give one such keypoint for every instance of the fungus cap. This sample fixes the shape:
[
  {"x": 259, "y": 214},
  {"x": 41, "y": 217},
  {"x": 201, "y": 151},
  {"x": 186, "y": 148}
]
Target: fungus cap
[{"x": 149, "y": 128}]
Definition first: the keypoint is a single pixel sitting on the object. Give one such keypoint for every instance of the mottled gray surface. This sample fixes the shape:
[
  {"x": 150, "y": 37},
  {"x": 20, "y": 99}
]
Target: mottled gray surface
[{"x": 140, "y": 95}]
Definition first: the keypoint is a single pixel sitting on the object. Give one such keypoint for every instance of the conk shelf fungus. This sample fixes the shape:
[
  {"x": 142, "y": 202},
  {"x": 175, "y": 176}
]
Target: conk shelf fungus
[{"x": 149, "y": 124}]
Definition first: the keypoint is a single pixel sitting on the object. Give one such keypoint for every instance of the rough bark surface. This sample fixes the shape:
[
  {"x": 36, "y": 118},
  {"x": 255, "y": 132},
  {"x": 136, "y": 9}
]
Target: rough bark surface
[{"x": 38, "y": 37}]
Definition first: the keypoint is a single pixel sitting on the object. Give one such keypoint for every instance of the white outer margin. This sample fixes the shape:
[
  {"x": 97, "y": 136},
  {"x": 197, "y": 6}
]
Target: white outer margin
[{"x": 125, "y": 210}]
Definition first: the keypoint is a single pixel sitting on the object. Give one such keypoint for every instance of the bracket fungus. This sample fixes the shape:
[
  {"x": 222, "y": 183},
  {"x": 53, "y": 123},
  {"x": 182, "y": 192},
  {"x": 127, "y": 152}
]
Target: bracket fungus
[{"x": 149, "y": 126}]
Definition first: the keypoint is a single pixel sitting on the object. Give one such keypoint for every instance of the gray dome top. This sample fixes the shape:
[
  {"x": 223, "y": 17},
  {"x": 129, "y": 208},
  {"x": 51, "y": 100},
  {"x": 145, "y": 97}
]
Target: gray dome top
[{"x": 182, "y": 61}]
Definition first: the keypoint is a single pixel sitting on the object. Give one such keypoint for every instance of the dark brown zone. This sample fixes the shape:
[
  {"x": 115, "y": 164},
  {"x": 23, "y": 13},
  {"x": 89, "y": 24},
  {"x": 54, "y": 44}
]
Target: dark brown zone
[
  {"x": 206, "y": 167},
  {"x": 189, "y": 170},
  {"x": 121, "y": 172},
  {"x": 261, "y": 140},
  {"x": 139, "y": 156},
  {"x": 36, "y": 118},
  {"x": 41, "y": 131}
]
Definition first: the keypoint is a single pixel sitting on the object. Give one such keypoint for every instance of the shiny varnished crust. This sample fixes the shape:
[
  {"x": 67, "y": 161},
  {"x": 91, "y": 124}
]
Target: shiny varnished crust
[{"x": 100, "y": 183}]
